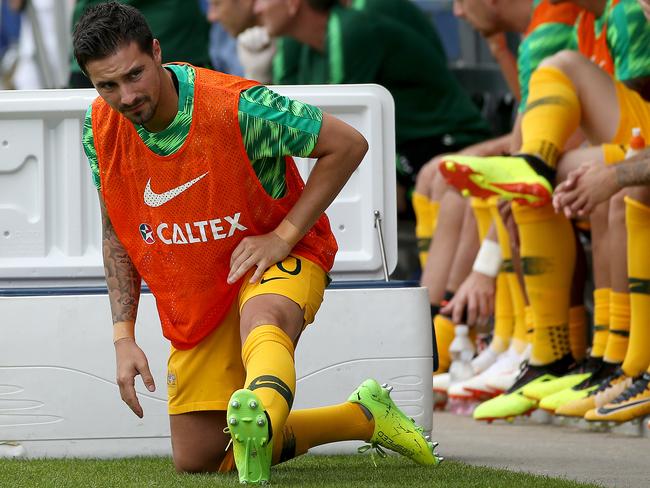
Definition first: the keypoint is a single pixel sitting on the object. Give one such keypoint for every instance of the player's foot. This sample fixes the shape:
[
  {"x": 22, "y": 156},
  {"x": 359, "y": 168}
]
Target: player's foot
[
  {"x": 632, "y": 404},
  {"x": 552, "y": 402},
  {"x": 486, "y": 358},
  {"x": 575, "y": 376},
  {"x": 507, "y": 365},
  {"x": 513, "y": 403},
  {"x": 251, "y": 437},
  {"x": 607, "y": 390},
  {"x": 440, "y": 387},
  {"x": 480, "y": 363},
  {"x": 393, "y": 429},
  {"x": 508, "y": 177}
]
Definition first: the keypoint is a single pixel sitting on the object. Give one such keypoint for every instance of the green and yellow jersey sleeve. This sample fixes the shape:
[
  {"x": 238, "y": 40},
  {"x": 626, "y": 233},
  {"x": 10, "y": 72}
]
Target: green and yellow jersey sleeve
[{"x": 272, "y": 127}]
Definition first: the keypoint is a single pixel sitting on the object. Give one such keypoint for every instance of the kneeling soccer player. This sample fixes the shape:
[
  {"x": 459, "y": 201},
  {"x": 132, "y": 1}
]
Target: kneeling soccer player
[{"x": 201, "y": 199}]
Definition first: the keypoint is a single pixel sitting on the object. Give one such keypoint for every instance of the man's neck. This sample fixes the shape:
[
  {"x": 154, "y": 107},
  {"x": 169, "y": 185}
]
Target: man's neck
[
  {"x": 310, "y": 27},
  {"x": 167, "y": 104}
]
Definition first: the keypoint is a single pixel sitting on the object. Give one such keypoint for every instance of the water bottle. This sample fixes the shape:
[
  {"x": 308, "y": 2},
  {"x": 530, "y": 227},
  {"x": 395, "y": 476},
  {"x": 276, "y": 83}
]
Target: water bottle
[
  {"x": 462, "y": 352},
  {"x": 637, "y": 143}
]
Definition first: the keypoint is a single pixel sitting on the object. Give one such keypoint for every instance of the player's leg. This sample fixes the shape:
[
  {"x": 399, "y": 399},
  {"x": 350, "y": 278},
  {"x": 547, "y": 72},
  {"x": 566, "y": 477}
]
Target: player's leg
[
  {"x": 199, "y": 384},
  {"x": 632, "y": 404},
  {"x": 273, "y": 314},
  {"x": 570, "y": 91},
  {"x": 608, "y": 386},
  {"x": 425, "y": 208}
]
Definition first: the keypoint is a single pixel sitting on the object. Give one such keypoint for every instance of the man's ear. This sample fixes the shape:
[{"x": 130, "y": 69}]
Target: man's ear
[{"x": 157, "y": 51}]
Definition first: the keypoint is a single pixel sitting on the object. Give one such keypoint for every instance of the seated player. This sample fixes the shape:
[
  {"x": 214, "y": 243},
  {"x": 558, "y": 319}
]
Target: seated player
[
  {"x": 546, "y": 29},
  {"x": 572, "y": 92}
]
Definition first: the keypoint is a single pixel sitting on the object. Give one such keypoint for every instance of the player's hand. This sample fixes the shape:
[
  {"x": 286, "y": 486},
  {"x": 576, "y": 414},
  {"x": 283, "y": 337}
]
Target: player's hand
[
  {"x": 585, "y": 187},
  {"x": 131, "y": 362},
  {"x": 476, "y": 296},
  {"x": 257, "y": 251}
]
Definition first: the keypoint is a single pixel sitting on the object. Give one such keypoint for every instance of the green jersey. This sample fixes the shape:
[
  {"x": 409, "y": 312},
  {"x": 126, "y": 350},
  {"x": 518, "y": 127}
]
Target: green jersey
[
  {"x": 628, "y": 38},
  {"x": 272, "y": 127},
  {"x": 550, "y": 31},
  {"x": 180, "y": 25},
  {"x": 285, "y": 62},
  {"x": 361, "y": 47}
]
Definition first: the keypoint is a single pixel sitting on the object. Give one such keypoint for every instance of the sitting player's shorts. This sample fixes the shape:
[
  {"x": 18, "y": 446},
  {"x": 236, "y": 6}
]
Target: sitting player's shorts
[
  {"x": 204, "y": 377},
  {"x": 635, "y": 113}
]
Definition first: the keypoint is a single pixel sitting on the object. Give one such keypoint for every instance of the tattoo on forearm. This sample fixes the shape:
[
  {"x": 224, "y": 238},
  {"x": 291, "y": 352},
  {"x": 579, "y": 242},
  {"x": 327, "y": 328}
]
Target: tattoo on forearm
[
  {"x": 122, "y": 279},
  {"x": 633, "y": 173}
]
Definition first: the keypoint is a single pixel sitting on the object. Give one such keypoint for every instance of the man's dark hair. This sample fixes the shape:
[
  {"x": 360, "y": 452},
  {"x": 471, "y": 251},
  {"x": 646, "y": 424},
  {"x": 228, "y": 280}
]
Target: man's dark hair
[
  {"x": 105, "y": 28},
  {"x": 322, "y": 5}
]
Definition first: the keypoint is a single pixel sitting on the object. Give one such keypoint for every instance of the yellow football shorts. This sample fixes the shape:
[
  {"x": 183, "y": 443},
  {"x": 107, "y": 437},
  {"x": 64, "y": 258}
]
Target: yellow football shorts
[
  {"x": 635, "y": 112},
  {"x": 204, "y": 377}
]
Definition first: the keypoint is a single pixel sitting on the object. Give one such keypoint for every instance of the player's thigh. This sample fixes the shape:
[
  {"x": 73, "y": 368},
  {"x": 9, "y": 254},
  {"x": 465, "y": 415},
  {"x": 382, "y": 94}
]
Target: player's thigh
[
  {"x": 571, "y": 160},
  {"x": 288, "y": 295},
  {"x": 596, "y": 91},
  {"x": 198, "y": 441}
]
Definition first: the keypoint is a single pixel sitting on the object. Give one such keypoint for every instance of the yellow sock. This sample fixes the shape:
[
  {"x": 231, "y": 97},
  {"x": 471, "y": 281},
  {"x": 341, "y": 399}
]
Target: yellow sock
[
  {"x": 313, "y": 427},
  {"x": 481, "y": 210},
  {"x": 601, "y": 322},
  {"x": 267, "y": 354},
  {"x": 445, "y": 333},
  {"x": 548, "y": 273},
  {"x": 619, "y": 327},
  {"x": 529, "y": 320},
  {"x": 637, "y": 221},
  {"x": 426, "y": 216},
  {"x": 578, "y": 332},
  {"x": 508, "y": 288},
  {"x": 504, "y": 317},
  {"x": 551, "y": 116}
]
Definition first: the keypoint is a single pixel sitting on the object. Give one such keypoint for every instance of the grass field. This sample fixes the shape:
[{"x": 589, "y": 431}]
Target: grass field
[{"x": 307, "y": 471}]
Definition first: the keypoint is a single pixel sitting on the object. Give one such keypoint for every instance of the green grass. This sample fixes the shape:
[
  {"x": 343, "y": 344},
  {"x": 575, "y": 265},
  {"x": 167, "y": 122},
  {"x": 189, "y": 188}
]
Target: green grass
[{"x": 307, "y": 471}]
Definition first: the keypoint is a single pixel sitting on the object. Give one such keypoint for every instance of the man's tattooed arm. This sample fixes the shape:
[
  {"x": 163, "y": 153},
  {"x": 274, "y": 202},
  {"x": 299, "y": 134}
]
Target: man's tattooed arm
[
  {"x": 122, "y": 278},
  {"x": 634, "y": 171}
]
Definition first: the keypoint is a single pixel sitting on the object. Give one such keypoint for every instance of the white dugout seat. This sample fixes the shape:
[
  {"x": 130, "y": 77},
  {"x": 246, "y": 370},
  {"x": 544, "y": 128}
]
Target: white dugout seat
[{"x": 58, "y": 395}]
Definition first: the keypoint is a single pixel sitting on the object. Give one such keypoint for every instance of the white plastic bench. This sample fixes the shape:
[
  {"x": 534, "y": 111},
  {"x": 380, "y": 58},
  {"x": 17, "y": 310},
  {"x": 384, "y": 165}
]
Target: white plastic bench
[{"x": 58, "y": 395}]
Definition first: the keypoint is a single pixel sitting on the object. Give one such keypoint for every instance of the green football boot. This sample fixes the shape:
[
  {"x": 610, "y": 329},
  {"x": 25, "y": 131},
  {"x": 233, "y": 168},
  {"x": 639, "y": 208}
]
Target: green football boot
[
  {"x": 249, "y": 429},
  {"x": 507, "y": 177},
  {"x": 575, "y": 376},
  {"x": 393, "y": 429},
  {"x": 513, "y": 403}
]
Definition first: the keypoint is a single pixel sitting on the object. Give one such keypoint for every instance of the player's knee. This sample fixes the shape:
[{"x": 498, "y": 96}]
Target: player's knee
[
  {"x": 617, "y": 208},
  {"x": 566, "y": 61},
  {"x": 426, "y": 177},
  {"x": 193, "y": 462}
]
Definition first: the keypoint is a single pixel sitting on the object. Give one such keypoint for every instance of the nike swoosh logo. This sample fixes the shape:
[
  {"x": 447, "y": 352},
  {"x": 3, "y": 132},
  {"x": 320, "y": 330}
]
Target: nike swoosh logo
[
  {"x": 603, "y": 410},
  {"x": 262, "y": 281},
  {"x": 154, "y": 199}
]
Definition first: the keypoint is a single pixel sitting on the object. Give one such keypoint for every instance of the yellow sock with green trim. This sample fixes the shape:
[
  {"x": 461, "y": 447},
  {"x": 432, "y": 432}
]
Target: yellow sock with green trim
[
  {"x": 267, "y": 355},
  {"x": 504, "y": 316},
  {"x": 548, "y": 273},
  {"x": 552, "y": 114},
  {"x": 313, "y": 427},
  {"x": 529, "y": 316},
  {"x": 601, "y": 322},
  {"x": 578, "y": 332},
  {"x": 509, "y": 320},
  {"x": 426, "y": 217},
  {"x": 619, "y": 327},
  {"x": 637, "y": 221},
  {"x": 481, "y": 210},
  {"x": 445, "y": 333}
]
